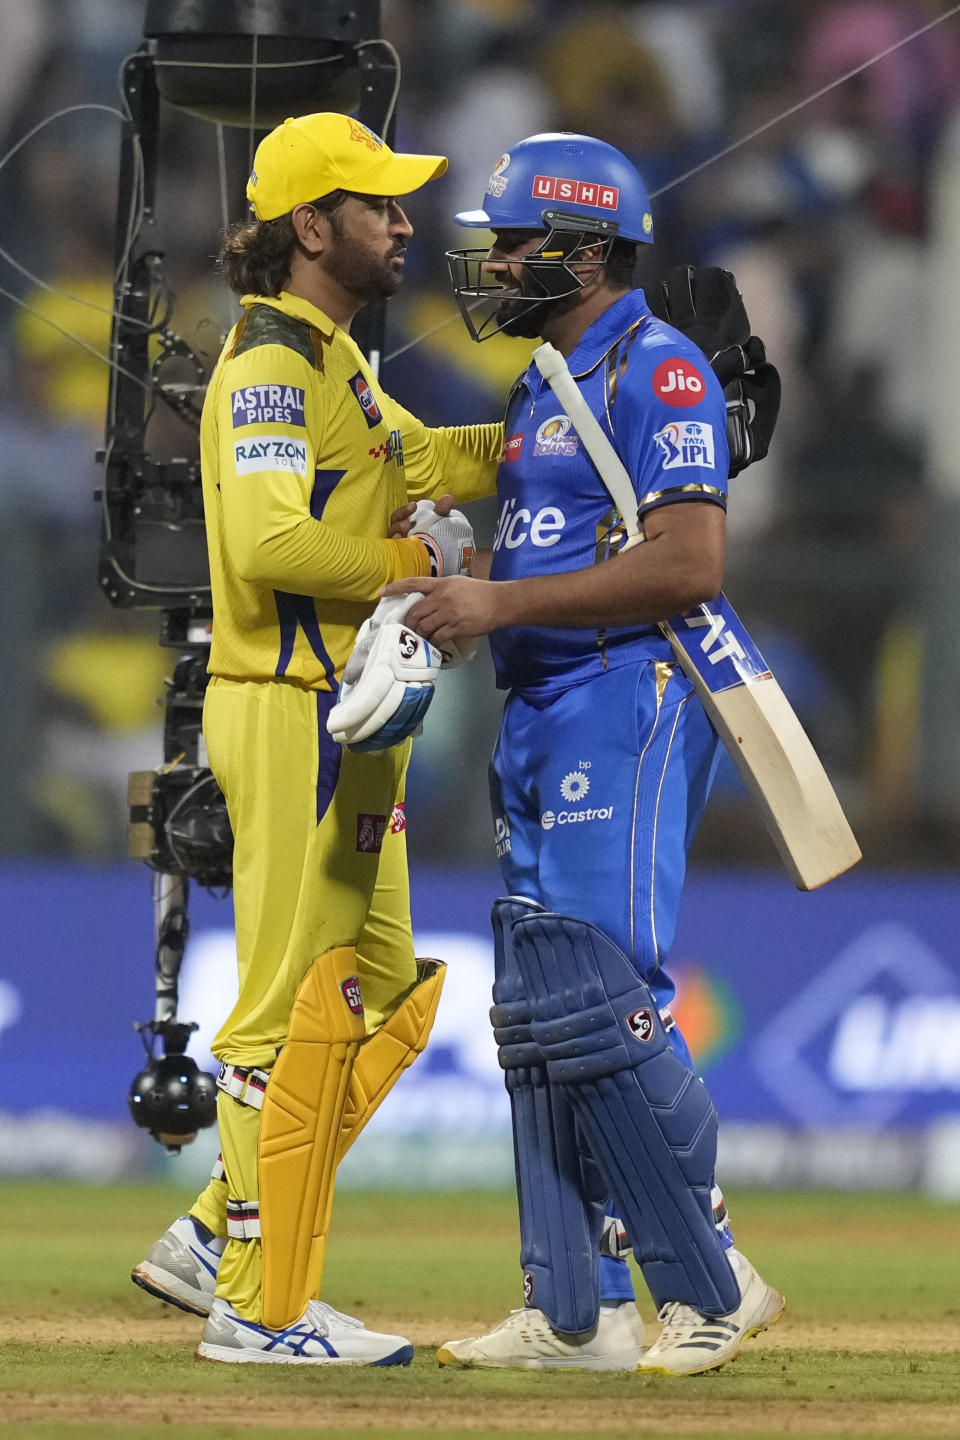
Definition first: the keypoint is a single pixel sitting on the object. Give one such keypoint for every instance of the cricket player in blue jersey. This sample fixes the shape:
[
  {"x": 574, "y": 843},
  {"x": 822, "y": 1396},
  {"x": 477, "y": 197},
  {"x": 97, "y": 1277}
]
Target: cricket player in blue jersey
[{"x": 600, "y": 776}]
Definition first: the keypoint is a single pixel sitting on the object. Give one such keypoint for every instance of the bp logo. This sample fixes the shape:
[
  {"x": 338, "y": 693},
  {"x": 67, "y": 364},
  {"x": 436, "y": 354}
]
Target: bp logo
[
  {"x": 574, "y": 786},
  {"x": 640, "y": 1024}
]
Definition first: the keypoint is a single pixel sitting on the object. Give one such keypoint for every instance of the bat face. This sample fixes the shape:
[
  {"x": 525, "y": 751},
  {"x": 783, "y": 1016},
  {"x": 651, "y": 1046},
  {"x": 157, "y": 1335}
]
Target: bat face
[{"x": 766, "y": 742}]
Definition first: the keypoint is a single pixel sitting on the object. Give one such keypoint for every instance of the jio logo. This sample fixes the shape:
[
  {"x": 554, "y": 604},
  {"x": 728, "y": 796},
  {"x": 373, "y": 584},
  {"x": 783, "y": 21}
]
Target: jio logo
[{"x": 677, "y": 382}]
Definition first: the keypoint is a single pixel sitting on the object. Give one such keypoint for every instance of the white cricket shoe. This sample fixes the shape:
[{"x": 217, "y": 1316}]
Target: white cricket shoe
[
  {"x": 322, "y": 1336},
  {"x": 691, "y": 1343},
  {"x": 181, "y": 1267},
  {"x": 527, "y": 1341}
]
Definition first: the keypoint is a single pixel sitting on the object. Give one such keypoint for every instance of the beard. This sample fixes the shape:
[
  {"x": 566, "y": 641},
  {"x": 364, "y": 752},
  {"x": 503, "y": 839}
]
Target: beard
[
  {"x": 524, "y": 317},
  {"x": 364, "y": 273}
]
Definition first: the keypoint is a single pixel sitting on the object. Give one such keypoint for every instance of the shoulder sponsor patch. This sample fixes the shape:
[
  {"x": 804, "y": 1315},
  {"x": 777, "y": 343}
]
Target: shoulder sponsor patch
[
  {"x": 270, "y": 452},
  {"x": 267, "y": 405},
  {"x": 677, "y": 382},
  {"x": 365, "y": 398},
  {"x": 686, "y": 443},
  {"x": 512, "y": 447}
]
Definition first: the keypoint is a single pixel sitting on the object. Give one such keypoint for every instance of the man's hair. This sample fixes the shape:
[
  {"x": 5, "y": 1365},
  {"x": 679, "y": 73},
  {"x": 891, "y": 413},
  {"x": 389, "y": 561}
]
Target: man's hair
[
  {"x": 256, "y": 255},
  {"x": 621, "y": 263}
]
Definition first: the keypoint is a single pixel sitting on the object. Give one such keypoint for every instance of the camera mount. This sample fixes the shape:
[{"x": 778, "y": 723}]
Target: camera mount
[{"x": 231, "y": 63}]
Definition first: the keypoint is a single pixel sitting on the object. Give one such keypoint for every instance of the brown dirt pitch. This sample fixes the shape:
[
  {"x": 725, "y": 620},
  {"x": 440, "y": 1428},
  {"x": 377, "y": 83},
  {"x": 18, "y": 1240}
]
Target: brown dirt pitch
[{"x": 870, "y": 1345}]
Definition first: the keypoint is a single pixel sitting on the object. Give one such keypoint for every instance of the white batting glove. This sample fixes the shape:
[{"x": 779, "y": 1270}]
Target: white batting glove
[
  {"x": 426, "y": 521},
  {"x": 449, "y": 538}
]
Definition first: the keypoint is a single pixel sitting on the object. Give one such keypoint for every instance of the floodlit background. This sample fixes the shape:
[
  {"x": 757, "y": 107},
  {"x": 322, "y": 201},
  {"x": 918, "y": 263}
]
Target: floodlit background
[{"x": 828, "y": 1026}]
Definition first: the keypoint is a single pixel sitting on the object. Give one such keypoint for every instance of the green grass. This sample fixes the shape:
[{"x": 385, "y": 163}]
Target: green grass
[{"x": 435, "y": 1263}]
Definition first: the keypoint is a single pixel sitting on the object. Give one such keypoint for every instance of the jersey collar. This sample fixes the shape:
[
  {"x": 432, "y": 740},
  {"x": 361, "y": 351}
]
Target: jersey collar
[
  {"x": 606, "y": 330},
  {"x": 294, "y": 306}
]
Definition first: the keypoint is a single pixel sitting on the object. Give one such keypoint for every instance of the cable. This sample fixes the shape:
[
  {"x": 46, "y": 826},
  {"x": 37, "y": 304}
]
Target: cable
[
  {"x": 802, "y": 104},
  {"x": 222, "y": 171},
  {"x": 398, "y": 68},
  {"x": 736, "y": 144},
  {"x": 150, "y": 389}
]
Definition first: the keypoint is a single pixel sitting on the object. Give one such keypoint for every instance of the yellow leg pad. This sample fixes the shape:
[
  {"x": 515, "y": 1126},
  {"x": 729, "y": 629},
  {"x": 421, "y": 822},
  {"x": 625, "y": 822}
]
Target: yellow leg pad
[
  {"x": 302, "y": 1112},
  {"x": 386, "y": 1053}
]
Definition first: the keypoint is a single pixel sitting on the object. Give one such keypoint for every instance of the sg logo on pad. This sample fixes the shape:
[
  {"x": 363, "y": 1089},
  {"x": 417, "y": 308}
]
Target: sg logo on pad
[{"x": 640, "y": 1024}]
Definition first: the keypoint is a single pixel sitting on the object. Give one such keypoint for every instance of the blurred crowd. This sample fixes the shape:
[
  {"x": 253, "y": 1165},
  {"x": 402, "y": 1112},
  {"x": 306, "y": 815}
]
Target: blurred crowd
[{"x": 839, "y": 221}]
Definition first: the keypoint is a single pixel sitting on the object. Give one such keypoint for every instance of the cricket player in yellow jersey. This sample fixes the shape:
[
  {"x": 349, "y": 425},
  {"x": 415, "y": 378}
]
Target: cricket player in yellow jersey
[{"x": 304, "y": 459}]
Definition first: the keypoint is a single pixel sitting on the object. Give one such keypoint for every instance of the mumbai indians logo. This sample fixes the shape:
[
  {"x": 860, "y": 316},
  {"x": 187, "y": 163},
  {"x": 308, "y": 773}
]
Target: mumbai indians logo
[
  {"x": 350, "y": 990},
  {"x": 363, "y": 135},
  {"x": 498, "y": 182},
  {"x": 554, "y": 437}
]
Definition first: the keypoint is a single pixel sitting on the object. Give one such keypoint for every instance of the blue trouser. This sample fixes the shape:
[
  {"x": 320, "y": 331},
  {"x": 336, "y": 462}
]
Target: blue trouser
[{"x": 596, "y": 793}]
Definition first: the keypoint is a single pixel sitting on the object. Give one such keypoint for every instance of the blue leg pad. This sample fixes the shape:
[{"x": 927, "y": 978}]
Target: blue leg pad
[
  {"x": 560, "y": 1218},
  {"x": 648, "y": 1118}
]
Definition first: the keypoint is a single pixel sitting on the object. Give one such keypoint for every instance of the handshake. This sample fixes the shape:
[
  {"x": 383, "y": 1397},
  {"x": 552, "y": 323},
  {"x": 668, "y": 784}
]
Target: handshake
[{"x": 388, "y": 682}]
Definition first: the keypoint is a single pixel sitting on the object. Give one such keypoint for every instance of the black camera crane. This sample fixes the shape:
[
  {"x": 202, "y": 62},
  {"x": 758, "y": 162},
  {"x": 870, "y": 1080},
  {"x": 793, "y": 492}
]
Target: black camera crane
[{"x": 240, "y": 63}]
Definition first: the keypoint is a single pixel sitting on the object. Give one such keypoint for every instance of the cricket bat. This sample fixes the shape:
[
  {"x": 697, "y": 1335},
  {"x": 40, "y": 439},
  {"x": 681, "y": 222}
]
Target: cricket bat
[{"x": 746, "y": 706}]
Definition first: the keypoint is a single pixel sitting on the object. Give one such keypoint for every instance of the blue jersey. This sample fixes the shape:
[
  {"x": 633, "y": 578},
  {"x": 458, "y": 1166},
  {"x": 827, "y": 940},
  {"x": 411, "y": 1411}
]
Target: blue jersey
[{"x": 657, "y": 398}]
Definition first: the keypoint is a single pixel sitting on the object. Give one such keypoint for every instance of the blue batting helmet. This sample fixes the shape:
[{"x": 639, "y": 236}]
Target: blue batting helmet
[{"x": 564, "y": 172}]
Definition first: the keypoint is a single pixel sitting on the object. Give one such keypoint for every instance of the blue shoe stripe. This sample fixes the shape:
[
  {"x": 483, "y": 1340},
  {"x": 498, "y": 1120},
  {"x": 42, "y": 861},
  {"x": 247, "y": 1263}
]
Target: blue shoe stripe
[
  {"x": 205, "y": 1263},
  {"x": 293, "y": 1337},
  {"x": 403, "y": 1356}
]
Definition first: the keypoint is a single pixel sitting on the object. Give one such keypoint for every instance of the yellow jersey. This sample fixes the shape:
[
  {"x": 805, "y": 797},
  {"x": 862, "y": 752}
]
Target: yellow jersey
[{"x": 303, "y": 460}]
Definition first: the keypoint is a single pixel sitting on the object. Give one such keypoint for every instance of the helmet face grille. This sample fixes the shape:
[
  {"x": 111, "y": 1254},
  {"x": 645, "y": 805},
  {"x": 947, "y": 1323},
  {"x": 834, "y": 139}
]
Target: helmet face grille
[{"x": 489, "y": 298}]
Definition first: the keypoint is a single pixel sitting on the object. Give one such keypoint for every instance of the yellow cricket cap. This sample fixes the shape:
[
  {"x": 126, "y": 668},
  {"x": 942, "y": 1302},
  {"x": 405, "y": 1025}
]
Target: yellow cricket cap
[{"x": 309, "y": 155}]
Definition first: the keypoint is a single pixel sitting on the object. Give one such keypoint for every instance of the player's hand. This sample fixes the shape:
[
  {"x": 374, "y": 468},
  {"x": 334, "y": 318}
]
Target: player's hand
[
  {"x": 452, "y": 607},
  {"x": 402, "y": 521}
]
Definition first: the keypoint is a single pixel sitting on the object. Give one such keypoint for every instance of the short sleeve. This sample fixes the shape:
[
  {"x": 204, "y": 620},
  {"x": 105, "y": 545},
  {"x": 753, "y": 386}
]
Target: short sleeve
[{"x": 668, "y": 418}]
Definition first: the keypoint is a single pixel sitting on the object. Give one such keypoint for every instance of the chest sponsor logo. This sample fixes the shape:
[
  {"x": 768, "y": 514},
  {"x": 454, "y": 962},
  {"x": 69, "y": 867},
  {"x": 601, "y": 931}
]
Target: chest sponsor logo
[
  {"x": 679, "y": 383},
  {"x": 556, "y": 437},
  {"x": 580, "y": 192},
  {"x": 549, "y": 818},
  {"x": 365, "y": 398},
  {"x": 389, "y": 449},
  {"x": 517, "y": 525},
  {"x": 512, "y": 447},
  {"x": 398, "y": 819},
  {"x": 350, "y": 990},
  {"x": 686, "y": 442},
  {"x": 267, "y": 405},
  {"x": 370, "y": 832},
  {"x": 498, "y": 182},
  {"x": 270, "y": 452},
  {"x": 575, "y": 786}
]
